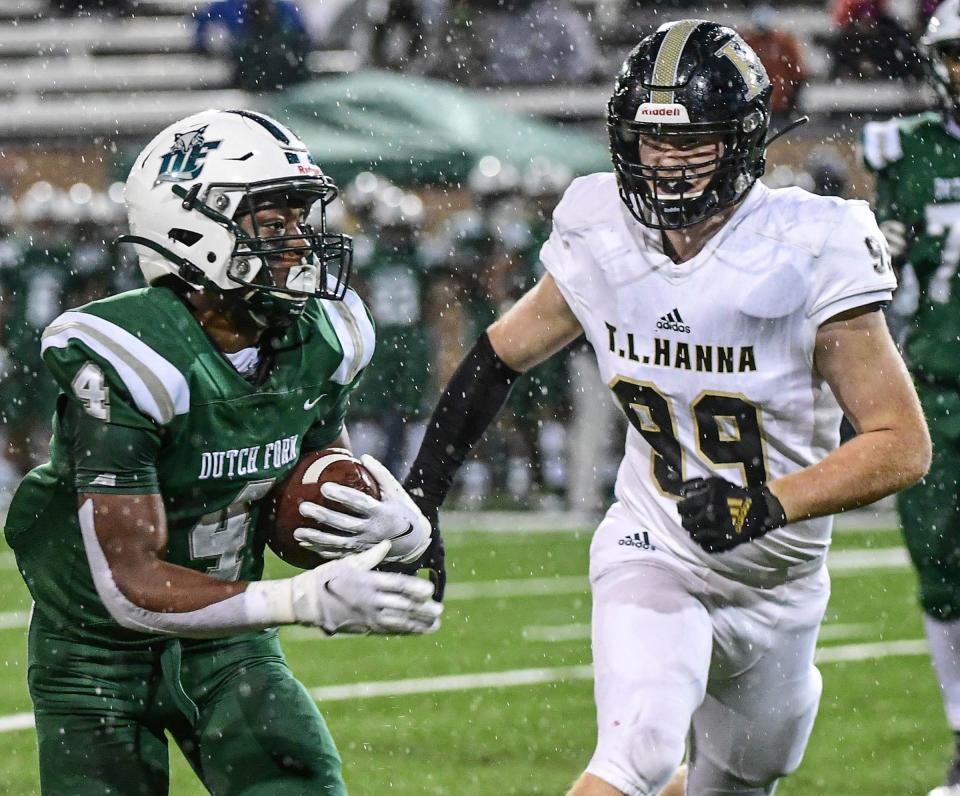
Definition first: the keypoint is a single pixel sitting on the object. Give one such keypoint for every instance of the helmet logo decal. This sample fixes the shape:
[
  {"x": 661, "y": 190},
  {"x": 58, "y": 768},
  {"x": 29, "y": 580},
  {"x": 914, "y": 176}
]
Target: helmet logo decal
[
  {"x": 666, "y": 113},
  {"x": 185, "y": 159},
  {"x": 734, "y": 51},
  {"x": 668, "y": 58}
]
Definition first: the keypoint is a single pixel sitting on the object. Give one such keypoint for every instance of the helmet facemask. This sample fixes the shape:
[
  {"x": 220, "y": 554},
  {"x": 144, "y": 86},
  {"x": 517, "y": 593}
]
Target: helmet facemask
[
  {"x": 694, "y": 187},
  {"x": 282, "y": 268},
  {"x": 318, "y": 262}
]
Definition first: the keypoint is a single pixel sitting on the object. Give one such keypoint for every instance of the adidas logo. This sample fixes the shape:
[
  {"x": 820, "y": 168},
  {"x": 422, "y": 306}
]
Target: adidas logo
[
  {"x": 673, "y": 321},
  {"x": 641, "y": 540}
]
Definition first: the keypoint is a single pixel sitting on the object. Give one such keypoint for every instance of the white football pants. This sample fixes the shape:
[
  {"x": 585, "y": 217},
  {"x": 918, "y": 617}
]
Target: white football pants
[{"x": 683, "y": 654}]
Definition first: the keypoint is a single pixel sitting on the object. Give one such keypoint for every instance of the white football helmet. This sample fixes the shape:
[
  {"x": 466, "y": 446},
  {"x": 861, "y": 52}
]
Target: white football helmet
[
  {"x": 192, "y": 180},
  {"x": 942, "y": 40}
]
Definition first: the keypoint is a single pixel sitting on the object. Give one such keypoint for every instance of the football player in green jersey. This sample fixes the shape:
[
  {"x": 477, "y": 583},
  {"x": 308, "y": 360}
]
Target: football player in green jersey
[
  {"x": 180, "y": 405},
  {"x": 917, "y": 165}
]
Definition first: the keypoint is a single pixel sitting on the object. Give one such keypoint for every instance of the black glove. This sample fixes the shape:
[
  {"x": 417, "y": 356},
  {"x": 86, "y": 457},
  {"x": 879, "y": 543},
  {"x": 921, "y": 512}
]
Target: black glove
[
  {"x": 720, "y": 515},
  {"x": 432, "y": 559}
]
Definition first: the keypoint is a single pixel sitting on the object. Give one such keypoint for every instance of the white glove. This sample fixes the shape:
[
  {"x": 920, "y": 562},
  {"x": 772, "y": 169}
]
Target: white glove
[
  {"x": 394, "y": 518},
  {"x": 895, "y": 233},
  {"x": 345, "y": 596}
]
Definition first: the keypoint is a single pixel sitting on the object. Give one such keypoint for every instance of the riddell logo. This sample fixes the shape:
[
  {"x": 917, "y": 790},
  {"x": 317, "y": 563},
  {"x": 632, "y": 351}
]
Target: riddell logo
[
  {"x": 662, "y": 112},
  {"x": 673, "y": 322}
]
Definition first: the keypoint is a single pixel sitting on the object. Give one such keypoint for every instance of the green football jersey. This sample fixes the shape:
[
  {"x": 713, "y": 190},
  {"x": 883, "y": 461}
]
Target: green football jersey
[
  {"x": 139, "y": 363},
  {"x": 394, "y": 285},
  {"x": 917, "y": 165}
]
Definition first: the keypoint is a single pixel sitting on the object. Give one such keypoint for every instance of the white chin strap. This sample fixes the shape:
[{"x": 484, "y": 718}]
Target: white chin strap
[{"x": 302, "y": 277}]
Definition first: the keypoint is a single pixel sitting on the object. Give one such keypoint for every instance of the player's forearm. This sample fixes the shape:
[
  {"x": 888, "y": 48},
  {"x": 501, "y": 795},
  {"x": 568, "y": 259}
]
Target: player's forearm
[
  {"x": 472, "y": 399},
  {"x": 144, "y": 593},
  {"x": 869, "y": 467}
]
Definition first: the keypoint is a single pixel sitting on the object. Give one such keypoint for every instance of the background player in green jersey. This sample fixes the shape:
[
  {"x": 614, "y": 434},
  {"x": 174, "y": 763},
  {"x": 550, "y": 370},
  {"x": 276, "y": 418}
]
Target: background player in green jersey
[
  {"x": 917, "y": 165},
  {"x": 180, "y": 405}
]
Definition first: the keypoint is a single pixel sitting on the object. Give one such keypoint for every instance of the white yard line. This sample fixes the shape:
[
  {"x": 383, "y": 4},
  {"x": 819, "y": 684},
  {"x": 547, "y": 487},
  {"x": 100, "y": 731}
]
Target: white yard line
[
  {"x": 518, "y": 587},
  {"x": 16, "y": 721},
  {"x": 523, "y": 522},
  {"x": 515, "y": 677},
  {"x": 14, "y": 619},
  {"x": 840, "y": 631},
  {"x": 580, "y": 632},
  {"x": 450, "y": 682},
  {"x": 551, "y": 633},
  {"x": 840, "y": 562},
  {"x": 865, "y": 652},
  {"x": 844, "y": 562}
]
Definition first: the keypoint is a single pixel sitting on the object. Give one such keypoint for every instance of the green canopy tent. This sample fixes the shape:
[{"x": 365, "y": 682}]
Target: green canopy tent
[{"x": 415, "y": 130}]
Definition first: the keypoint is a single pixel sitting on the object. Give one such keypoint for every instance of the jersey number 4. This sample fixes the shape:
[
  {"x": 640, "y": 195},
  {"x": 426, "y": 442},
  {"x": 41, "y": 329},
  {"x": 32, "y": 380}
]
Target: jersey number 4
[
  {"x": 89, "y": 385},
  {"x": 727, "y": 432}
]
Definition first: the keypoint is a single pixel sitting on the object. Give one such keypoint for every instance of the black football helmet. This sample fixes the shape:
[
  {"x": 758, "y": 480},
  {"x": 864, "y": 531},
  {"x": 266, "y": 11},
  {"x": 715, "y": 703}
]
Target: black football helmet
[{"x": 691, "y": 78}]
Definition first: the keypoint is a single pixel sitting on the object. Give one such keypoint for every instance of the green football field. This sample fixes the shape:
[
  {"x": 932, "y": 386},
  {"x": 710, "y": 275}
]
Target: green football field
[{"x": 499, "y": 701}]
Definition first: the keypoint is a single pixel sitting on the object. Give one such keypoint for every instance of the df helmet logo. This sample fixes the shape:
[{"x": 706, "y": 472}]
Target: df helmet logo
[{"x": 185, "y": 159}]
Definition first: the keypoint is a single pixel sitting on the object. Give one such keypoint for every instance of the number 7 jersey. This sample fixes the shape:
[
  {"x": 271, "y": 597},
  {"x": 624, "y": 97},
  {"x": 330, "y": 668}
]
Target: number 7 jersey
[
  {"x": 712, "y": 360},
  {"x": 917, "y": 165}
]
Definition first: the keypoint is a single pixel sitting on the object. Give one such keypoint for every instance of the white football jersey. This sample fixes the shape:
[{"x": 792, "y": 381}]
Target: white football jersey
[{"x": 712, "y": 359}]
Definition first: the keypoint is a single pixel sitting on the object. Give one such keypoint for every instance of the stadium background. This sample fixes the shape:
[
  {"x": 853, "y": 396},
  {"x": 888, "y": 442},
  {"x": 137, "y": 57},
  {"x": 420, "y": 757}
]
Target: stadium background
[{"x": 452, "y": 126}]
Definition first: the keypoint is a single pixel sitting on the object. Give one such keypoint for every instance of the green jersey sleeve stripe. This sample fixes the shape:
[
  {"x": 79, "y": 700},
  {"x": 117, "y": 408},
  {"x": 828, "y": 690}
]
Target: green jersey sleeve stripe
[
  {"x": 159, "y": 390},
  {"x": 355, "y": 332}
]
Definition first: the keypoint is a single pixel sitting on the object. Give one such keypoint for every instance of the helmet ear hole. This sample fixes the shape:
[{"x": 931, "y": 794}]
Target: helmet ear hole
[
  {"x": 211, "y": 257},
  {"x": 185, "y": 236}
]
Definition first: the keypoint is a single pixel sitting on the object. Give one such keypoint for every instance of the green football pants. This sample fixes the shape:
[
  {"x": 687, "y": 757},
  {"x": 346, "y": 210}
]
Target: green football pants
[
  {"x": 930, "y": 510},
  {"x": 242, "y": 720}
]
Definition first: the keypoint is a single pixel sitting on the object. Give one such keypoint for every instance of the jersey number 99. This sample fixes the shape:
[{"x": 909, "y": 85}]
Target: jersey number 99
[{"x": 727, "y": 432}]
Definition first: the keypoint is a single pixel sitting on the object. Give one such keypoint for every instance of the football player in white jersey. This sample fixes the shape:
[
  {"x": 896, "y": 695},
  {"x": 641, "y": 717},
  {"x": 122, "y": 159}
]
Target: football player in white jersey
[{"x": 734, "y": 325}]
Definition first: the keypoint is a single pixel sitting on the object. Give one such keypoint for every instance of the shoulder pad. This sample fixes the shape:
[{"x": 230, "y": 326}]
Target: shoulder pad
[
  {"x": 156, "y": 386},
  {"x": 353, "y": 326},
  {"x": 587, "y": 201},
  {"x": 852, "y": 260},
  {"x": 797, "y": 217},
  {"x": 881, "y": 144}
]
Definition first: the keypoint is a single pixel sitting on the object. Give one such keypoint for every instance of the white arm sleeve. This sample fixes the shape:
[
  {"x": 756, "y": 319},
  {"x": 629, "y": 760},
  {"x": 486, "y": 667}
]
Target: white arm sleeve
[{"x": 262, "y": 605}]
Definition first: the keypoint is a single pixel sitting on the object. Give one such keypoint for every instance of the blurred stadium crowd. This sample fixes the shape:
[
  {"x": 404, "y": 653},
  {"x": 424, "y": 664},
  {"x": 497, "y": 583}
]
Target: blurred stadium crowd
[
  {"x": 434, "y": 269},
  {"x": 434, "y": 263}
]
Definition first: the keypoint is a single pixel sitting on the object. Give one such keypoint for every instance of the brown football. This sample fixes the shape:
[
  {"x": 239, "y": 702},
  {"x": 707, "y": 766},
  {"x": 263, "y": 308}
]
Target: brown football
[{"x": 281, "y": 514}]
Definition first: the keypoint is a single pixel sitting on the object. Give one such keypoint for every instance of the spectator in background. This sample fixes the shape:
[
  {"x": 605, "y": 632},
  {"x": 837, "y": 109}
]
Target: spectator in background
[
  {"x": 267, "y": 40},
  {"x": 107, "y": 8},
  {"x": 829, "y": 171},
  {"x": 219, "y": 27},
  {"x": 273, "y": 49},
  {"x": 779, "y": 51},
  {"x": 517, "y": 42},
  {"x": 404, "y": 33},
  {"x": 870, "y": 43}
]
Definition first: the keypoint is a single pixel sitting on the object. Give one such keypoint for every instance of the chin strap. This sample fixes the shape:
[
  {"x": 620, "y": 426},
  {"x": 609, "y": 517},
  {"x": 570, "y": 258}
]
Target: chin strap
[{"x": 186, "y": 270}]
